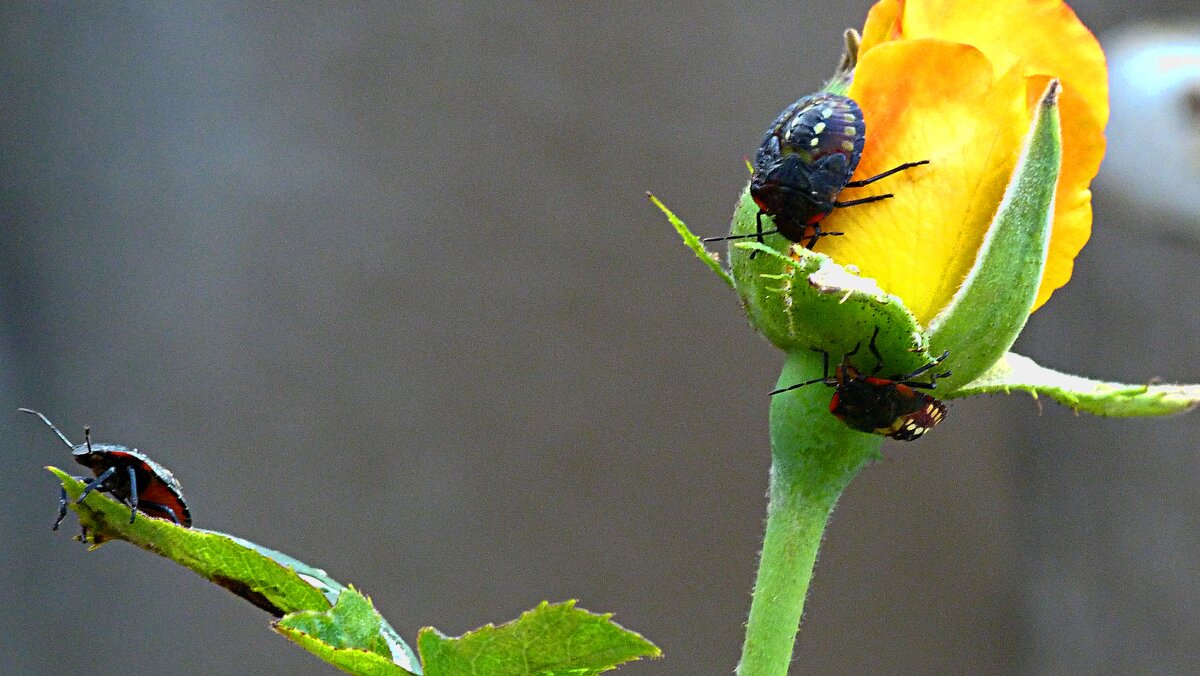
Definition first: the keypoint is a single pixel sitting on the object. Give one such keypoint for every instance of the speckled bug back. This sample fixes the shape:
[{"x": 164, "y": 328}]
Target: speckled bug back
[
  {"x": 816, "y": 126},
  {"x": 806, "y": 158}
]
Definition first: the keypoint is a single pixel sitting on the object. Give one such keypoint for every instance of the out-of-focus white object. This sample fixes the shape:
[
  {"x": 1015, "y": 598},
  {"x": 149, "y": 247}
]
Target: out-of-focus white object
[{"x": 1153, "y": 156}]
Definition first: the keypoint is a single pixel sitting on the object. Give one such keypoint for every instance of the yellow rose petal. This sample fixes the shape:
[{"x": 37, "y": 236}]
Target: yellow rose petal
[{"x": 937, "y": 101}]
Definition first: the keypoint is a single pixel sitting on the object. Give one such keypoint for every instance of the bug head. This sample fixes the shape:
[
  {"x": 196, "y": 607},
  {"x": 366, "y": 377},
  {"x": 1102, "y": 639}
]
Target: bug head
[{"x": 782, "y": 187}]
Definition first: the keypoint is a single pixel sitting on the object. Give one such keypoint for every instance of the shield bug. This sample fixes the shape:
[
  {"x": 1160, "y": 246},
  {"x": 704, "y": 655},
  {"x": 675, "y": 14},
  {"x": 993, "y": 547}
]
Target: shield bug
[
  {"x": 806, "y": 159},
  {"x": 128, "y": 475},
  {"x": 892, "y": 407}
]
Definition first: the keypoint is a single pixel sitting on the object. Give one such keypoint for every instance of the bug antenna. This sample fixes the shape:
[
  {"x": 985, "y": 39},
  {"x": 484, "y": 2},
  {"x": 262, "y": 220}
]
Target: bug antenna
[
  {"x": 47, "y": 421},
  {"x": 789, "y": 388},
  {"x": 87, "y": 437},
  {"x": 746, "y": 236}
]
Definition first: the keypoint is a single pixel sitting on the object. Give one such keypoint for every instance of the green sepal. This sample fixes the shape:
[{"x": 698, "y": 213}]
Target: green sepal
[
  {"x": 693, "y": 242},
  {"x": 1015, "y": 373},
  {"x": 552, "y": 639},
  {"x": 844, "y": 75},
  {"x": 271, "y": 580},
  {"x": 802, "y": 300},
  {"x": 348, "y": 636},
  {"x": 991, "y": 307}
]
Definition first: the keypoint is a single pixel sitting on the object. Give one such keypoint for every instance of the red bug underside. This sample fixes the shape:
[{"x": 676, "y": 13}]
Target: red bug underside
[
  {"x": 158, "y": 493},
  {"x": 154, "y": 485}
]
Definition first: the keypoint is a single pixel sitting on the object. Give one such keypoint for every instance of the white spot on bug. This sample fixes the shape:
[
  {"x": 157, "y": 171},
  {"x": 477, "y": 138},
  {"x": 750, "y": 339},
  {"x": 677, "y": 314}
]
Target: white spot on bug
[
  {"x": 826, "y": 113},
  {"x": 847, "y": 146},
  {"x": 814, "y": 142},
  {"x": 851, "y": 131},
  {"x": 818, "y": 127},
  {"x": 849, "y": 117}
]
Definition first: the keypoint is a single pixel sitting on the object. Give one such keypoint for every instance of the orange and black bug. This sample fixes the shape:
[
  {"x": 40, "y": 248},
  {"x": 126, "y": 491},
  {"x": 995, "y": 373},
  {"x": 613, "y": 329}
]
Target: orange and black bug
[
  {"x": 891, "y": 406},
  {"x": 128, "y": 475},
  {"x": 805, "y": 160}
]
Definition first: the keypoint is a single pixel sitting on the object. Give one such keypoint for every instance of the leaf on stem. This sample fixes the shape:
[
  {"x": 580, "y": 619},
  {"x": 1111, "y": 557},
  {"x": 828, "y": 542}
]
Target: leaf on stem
[
  {"x": 550, "y": 639},
  {"x": 1022, "y": 374},
  {"x": 348, "y": 636}
]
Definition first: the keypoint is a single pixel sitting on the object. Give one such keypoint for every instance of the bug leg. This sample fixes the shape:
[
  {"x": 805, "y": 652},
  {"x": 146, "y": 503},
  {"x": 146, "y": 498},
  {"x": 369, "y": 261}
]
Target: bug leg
[
  {"x": 865, "y": 200},
  {"x": 822, "y": 379},
  {"x": 62, "y": 503},
  {"x": 94, "y": 483},
  {"x": 933, "y": 377},
  {"x": 812, "y": 241},
  {"x": 824, "y": 361},
  {"x": 875, "y": 352},
  {"x": 818, "y": 234},
  {"x": 932, "y": 384},
  {"x": 758, "y": 232},
  {"x": 889, "y": 172},
  {"x": 853, "y": 352},
  {"x": 923, "y": 369},
  {"x": 133, "y": 494},
  {"x": 62, "y": 509},
  {"x": 164, "y": 508}
]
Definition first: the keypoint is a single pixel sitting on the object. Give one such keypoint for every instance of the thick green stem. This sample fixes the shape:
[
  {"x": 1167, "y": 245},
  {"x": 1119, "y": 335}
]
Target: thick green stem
[{"x": 814, "y": 456}]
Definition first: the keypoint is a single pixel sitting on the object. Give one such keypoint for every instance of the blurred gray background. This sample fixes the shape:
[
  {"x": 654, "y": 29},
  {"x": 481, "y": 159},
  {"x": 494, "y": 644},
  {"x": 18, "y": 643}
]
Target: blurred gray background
[{"x": 379, "y": 283}]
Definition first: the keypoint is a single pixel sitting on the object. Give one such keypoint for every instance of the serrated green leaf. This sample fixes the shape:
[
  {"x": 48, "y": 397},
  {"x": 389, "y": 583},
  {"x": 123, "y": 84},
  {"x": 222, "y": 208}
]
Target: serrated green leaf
[
  {"x": 693, "y": 242},
  {"x": 1015, "y": 373},
  {"x": 333, "y": 590},
  {"x": 347, "y": 636},
  {"x": 550, "y": 640},
  {"x": 989, "y": 310},
  {"x": 271, "y": 580}
]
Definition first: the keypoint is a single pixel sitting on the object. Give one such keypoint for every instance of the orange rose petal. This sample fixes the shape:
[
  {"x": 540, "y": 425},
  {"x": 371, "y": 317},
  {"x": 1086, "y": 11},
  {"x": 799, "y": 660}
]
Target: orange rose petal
[
  {"x": 934, "y": 100},
  {"x": 1044, "y": 36},
  {"x": 1039, "y": 39},
  {"x": 883, "y": 24}
]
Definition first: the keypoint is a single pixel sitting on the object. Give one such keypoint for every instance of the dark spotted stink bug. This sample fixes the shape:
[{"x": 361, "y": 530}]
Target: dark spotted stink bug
[
  {"x": 892, "y": 407},
  {"x": 806, "y": 159},
  {"x": 128, "y": 475}
]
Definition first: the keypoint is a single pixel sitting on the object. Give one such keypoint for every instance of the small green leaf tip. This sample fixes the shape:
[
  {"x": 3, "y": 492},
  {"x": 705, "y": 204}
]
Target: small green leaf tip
[
  {"x": 554, "y": 638},
  {"x": 1015, "y": 373},
  {"x": 991, "y": 307},
  {"x": 693, "y": 242},
  {"x": 347, "y": 636}
]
